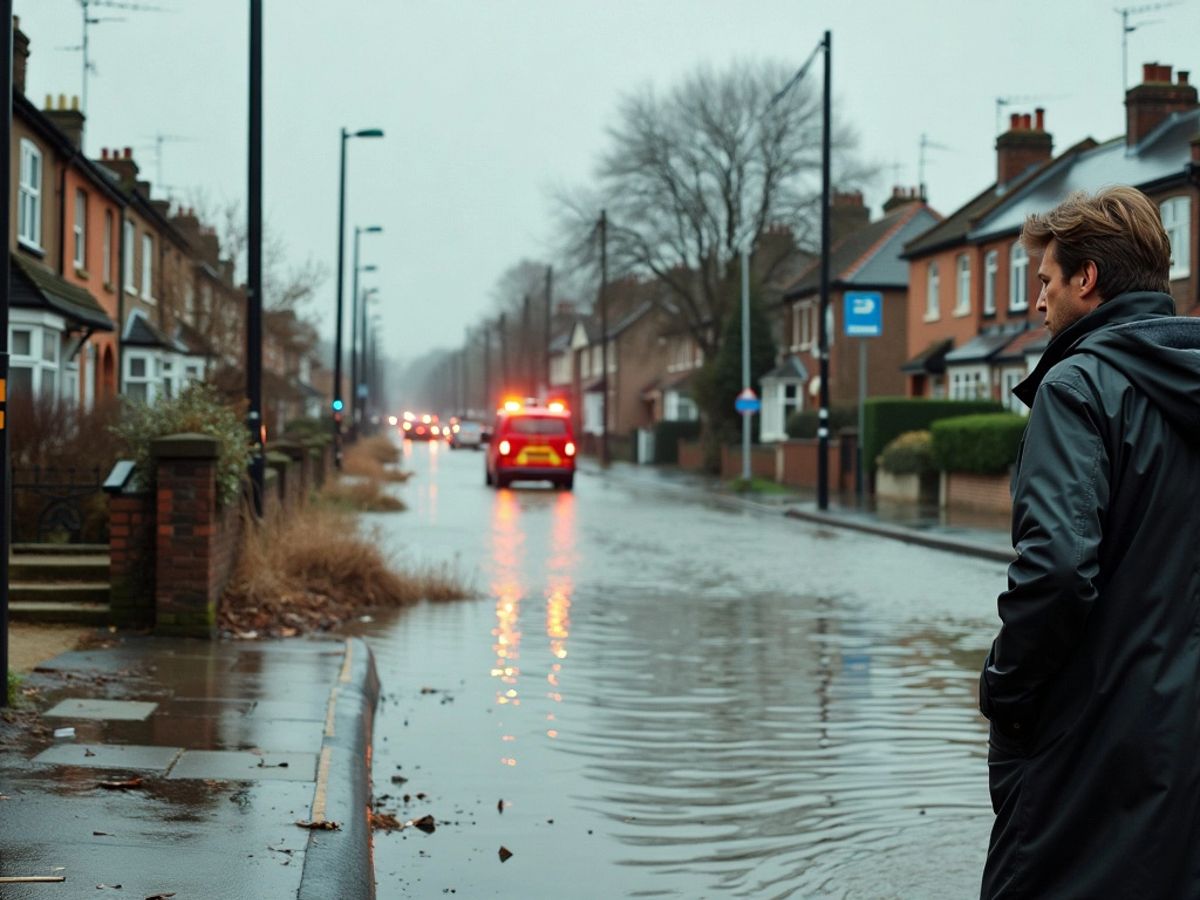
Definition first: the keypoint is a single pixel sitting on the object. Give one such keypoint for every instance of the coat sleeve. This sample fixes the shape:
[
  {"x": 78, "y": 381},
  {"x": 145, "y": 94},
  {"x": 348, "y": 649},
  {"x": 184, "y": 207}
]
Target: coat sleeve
[{"x": 1060, "y": 498}]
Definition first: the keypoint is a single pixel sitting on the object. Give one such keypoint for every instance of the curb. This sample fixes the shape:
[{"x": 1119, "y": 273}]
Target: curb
[
  {"x": 907, "y": 535},
  {"x": 339, "y": 863}
]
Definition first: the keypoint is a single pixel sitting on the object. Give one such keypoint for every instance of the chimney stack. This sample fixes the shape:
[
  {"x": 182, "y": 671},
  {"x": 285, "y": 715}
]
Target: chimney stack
[
  {"x": 1149, "y": 104},
  {"x": 902, "y": 196},
  {"x": 1025, "y": 144},
  {"x": 847, "y": 214},
  {"x": 121, "y": 164},
  {"x": 67, "y": 118},
  {"x": 20, "y": 56}
]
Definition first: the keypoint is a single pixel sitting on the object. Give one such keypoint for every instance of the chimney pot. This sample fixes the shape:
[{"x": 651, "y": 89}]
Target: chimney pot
[
  {"x": 129, "y": 153},
  {"x": 1014, "y": 121},
  {"x": 49, "y": 102},
  {"x": 1027, "y": 122},
  {"x": 104, "y": 153},
  {"x": 1148, "y": 71},
  {"x": 62, "y": 101},
  {"x": 1041, "y": 118},
  {"x": 1183, "y": 77},
  {"x": 75, "y": 102}
]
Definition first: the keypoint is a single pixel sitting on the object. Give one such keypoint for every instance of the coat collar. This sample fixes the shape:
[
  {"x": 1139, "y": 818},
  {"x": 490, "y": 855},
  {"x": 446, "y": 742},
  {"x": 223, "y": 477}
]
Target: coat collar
[{"x": 1119, "y": 310}]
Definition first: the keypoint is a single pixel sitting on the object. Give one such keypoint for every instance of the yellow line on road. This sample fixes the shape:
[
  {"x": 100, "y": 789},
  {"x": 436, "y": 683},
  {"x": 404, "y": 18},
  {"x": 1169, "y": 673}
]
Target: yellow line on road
[{"x": 318, "y": 807}]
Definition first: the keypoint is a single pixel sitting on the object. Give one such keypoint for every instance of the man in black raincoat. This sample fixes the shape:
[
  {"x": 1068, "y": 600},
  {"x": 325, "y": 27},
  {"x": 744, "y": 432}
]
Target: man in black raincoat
[{"x": 1093, "y": 684}]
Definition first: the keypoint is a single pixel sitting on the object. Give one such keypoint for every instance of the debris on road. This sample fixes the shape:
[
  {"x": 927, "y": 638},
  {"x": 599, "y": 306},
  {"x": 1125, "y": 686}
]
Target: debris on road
[
  {"x": 505, "y": 854},
  {"x": 32, "y": 879},
  {"x": 384, "y": 821},
  {"x": 122, "y": 785},
  {"x": 323, "y": 825}
]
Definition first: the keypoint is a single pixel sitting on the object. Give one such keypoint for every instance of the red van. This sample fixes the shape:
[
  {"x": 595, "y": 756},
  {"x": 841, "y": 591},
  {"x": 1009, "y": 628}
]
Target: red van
[{"x": 532, "y": 443}]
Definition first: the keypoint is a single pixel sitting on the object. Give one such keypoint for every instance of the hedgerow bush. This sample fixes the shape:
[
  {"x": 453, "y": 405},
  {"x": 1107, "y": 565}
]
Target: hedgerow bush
[
  {"x": 984, "y": 444},
  {"x": 909, "y": 454},
  {"x": 886, "y": 418},
  {"x": 804, "y": 424},
  {"x": 198, "y": 409}
]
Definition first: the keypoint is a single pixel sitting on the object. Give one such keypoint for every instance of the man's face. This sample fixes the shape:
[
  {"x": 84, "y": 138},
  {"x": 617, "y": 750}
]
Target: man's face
[{"x": 1061, "y": 297}]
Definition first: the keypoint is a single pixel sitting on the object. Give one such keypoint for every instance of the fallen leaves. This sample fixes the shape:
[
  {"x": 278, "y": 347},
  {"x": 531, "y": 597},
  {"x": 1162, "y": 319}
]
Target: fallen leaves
[
  {"x": 121, "y": 785},
  {"x": 161, "y": 896},
  {"x": 323, "y": 825},
  {"x": 384, "y": 821},
  {"x": 505, "y": 854}
]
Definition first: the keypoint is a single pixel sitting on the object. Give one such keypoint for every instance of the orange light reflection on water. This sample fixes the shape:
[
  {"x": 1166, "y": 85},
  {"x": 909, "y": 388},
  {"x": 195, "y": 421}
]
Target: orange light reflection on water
[
  {"x": 508, "y": 591},
  {"x": 560, "y": 567}
]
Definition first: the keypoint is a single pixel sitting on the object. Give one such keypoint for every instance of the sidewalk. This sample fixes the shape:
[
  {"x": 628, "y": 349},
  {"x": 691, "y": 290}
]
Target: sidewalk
[
  {"x": 189, "y": 766},
  {"x": 983, "y": 535}
]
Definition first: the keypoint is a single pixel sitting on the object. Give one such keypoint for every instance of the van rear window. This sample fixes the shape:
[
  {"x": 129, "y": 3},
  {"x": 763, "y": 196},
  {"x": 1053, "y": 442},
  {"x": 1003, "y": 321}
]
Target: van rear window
[{"x": 537, "y": 425}]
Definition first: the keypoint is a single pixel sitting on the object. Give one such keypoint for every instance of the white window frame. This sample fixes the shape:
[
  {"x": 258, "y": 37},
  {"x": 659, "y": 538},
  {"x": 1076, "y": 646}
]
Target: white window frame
[
  {"x": 148, "y": 268},
  {"x": 1176, "y": 213},
  {"x": 149, "y": 376},
  {"x": 129, "y": 237},
  {"x": 991, "y": 267},
  {"x": 969, "y": 383},
  {"x": 962, "y": 298},
  {"x": 932, "y": 287},
  {"x": 106, "y": 264},
  {"x": 79, "y": 228},
  {"x": 29, "y": 195},
  {"x": 46, "y": 333},
  {"x": 1018, "y": 278}
]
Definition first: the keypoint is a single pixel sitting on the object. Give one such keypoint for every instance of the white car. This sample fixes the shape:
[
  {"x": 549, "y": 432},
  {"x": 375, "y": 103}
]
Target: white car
[{"x": 466, "y": 433}]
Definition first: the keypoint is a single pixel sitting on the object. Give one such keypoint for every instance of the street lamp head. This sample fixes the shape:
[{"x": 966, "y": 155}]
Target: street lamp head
[
  {"x": 370, "y": 267},
  {"x": 373, "y": 229},
  {"x": 369, "y": 133}
]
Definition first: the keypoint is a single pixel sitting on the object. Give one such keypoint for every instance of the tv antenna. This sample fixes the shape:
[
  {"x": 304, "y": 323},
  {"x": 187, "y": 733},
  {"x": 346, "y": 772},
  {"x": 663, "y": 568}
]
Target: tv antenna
[
  {"x": 1126, "y": 27},
  {"x": 1015, "y": 100},
  {"x": 923, "y": 145},
  {"x": 160, "y": 139},
  {"x": 90, "y": 18}
]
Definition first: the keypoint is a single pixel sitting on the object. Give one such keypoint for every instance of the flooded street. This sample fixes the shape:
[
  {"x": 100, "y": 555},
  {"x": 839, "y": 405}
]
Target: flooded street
[{"x": 656, "y": 695}]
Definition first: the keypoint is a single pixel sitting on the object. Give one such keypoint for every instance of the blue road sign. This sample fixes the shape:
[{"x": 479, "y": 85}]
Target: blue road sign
[
  {"x": 747, "y": 403},
  {"x": 864, "y": 314}
]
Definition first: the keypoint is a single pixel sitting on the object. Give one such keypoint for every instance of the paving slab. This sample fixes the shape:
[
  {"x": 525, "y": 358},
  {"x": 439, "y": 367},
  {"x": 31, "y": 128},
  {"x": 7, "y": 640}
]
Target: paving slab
[
  {"x": 88, "y": 708},
  {"x": 109, "y": 756},
  {"x": 242, "y": 765}
]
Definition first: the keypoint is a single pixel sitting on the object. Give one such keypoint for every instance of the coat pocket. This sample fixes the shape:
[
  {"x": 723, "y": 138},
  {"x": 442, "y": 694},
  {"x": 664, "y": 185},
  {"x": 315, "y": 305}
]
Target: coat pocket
[{"x": 1006, "y": 768}]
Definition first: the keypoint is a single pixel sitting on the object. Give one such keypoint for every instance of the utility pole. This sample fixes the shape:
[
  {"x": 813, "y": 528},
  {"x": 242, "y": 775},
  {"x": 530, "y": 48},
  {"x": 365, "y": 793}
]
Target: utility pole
[
  {"x": 504, "y": 386},
  {"x": 488, "y": 407},
  {"x": 6, "y": 92},
  {"x": 526, "y": 356},
  {"x": 546, "y": 330},
  {"x": 254, "y": 419},
  {"x": 823, "y": 325},
  {"x": 746, "y": 416},
  {"x": 604, "y": 337}
]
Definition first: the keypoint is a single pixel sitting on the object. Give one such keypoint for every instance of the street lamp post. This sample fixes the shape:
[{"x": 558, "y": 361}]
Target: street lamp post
[
  {"x": 362, "y": 385},
  {"x": 337, "y": 341},
  {"x": 254, "y": 299},
  {"x": 355, "y": 412},
  {"x": 823, "y": 325}
]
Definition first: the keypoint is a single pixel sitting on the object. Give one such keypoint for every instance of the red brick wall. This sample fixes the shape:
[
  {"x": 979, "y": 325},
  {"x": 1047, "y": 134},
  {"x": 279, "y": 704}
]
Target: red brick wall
[
  {"x": 800, "y": 464},
  {"x": 983, "y": 492},
  {"x": 691, "y": 456},
  {"x": 762, "y": 462},
  {"x": 131, "y": 558}
]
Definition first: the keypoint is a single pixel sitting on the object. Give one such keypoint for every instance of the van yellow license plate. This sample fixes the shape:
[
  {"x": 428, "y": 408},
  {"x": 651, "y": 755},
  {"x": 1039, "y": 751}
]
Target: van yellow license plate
[{"x": 538, "y": 455}]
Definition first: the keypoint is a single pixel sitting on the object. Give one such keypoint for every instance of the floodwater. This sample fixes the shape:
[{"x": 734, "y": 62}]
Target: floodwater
[{"x": 656, "y": 695}]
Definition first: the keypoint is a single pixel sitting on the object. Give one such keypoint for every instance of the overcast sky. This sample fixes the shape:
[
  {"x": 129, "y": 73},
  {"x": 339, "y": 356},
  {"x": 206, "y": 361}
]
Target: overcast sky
[{"x": 488, "y": 106}]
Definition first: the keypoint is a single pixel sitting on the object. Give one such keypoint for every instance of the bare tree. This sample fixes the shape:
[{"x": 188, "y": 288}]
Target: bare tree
[{"x": 693, "y": 175}]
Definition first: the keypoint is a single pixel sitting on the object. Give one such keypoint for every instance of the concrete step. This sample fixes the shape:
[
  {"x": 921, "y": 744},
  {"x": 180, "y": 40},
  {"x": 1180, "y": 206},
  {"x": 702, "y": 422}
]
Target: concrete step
[
  {"x": 59, "y": 592},
  {"x": 58, "y": 549},
  {"x": 59, "y": 613},
  {"x": 41, "y": 568}
]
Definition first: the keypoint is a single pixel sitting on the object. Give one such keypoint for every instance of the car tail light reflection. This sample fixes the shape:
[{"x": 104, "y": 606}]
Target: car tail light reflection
[
  {"x": 570, "y": 448},
  {"x": 505, "y": 448}
]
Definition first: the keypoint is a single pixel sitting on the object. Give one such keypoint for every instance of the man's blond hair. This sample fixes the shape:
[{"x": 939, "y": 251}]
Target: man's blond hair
[{"x": 1118, "y": 228}]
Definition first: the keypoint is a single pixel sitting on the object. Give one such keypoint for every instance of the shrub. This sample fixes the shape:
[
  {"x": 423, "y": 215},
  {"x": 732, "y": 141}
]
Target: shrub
[
  {"x": 986, "y": 444},
  {"x": 909, "y": 454},
  {"x": 886, "y": 418},
  {"x": 303, "y": 429},
  {"x": 198, "y": 409},
  {"x": 667, "y": 436},
  {"x": 12, "y": 687},
  {"x": 357, "y": 494},
  {"x": 804, "y": 424}
]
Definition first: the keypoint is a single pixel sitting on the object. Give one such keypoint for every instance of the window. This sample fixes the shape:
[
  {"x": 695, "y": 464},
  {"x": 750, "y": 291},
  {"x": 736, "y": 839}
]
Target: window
[
  {"x": 962, "y": 294},
  {"x": 1177, "y": 220},
  {"x": 931, "y": 293},
  {"x": 80, "y": 230},
  {"x": 108, "y": 236},
  {"x": 991, "y": 266},
  {"x": 1018, "y": 278},
  {"x": 969, "y": 384},
  {"x": 138, "y": 378},
  {"x": 147, "y": 268},
  {"x": 127, "y": 258},
  {"x": 29, "y": 196},
  {"x": 537, "y": 425},
  {"x": 22, "y": 342}
]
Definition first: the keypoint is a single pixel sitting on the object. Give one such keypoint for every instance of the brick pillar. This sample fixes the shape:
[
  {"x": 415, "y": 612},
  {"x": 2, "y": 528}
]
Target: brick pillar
[
  {"x": 131, "y": 554},
  {"x": 190, "y": 539},
  {"x": 300, "y": 473},
  {"x": 287, "y": 479}
]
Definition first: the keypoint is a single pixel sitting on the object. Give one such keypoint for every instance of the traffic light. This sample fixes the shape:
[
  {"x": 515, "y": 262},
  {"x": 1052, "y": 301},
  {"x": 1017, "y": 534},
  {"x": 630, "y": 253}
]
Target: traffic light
[{"x": 337, "y": 406}]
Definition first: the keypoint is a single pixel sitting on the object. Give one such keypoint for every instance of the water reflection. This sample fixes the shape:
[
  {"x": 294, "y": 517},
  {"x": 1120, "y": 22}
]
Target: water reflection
[
  {"x": 507, "y": 539},
  {"x": 559, "y": 568}
]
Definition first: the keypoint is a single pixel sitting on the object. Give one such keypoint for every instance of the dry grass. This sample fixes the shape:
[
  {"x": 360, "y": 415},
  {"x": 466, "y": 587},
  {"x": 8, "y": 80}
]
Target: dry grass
[
  {"x": 316, "y": 569},
  {"x": 359, "y": 495},
  {"x": 374, "y": 458}
]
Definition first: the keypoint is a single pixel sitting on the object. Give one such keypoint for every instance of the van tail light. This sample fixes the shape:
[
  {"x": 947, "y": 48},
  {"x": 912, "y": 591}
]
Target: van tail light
[
  {"x": 505, "y": 448},
  {"x": 570, "y": 448}
]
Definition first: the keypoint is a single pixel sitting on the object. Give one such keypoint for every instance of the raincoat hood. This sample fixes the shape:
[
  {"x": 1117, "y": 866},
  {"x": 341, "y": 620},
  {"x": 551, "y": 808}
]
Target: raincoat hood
[{"x": 1139, "y": 335}]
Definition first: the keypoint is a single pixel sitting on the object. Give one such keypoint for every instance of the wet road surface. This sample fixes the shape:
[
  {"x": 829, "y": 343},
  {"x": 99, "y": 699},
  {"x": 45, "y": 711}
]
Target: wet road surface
[{"x": 672, "y": 698}]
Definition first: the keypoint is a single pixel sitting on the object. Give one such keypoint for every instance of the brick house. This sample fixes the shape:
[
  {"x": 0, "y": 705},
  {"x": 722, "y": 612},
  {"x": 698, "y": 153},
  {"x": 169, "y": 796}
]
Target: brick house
[
  {"x": 866, "y": 258},
  {"x": 981, "y": 337}
]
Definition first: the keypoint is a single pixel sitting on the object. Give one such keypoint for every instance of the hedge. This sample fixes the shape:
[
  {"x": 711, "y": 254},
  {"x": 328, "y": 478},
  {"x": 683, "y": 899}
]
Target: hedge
[
  {"x": 804, "y": 424},
  {"x": 984, "y": 444},
  {"x": 886, "y": 418},
  {"x": 667, "y": 436},
  {"x": 909, "y": 454}
]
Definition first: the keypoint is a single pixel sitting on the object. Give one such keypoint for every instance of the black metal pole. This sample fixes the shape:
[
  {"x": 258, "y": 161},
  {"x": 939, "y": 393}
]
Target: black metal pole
[
  {"x": 546, "y": 328},
  {"x": 823, "y": 326},
  {"x": 6, "y": 92},
  {"x": 504, "y": 386},
  {"x": 604, "y": 337},
  {"x": 354, "y": 338},
  {"x": 488, "y": 407},
  {"x": 337, "y": 329},
  {"x": 254, "y": 418},
  {"x": 527, "y": 357}
]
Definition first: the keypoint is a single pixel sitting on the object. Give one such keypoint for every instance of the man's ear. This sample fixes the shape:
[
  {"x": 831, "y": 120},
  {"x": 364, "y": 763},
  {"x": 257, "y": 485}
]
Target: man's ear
[{"x": 1088, "y": 276}]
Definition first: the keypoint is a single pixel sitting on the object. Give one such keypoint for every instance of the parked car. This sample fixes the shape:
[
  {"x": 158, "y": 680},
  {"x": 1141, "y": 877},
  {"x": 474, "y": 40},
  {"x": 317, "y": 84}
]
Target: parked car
[
  {"x": 531, "y": 443},
  {"x": 421, "y": 427},
  {"x": 466, "y": 433}
]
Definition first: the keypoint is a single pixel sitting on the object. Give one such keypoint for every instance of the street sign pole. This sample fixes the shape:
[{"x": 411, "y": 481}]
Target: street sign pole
[
  {"x": 862, "y": 317},
  {"x": 6, "y": 59},
  {"x": 746, "y": 417},
  {"x": 859, "y": 477}
]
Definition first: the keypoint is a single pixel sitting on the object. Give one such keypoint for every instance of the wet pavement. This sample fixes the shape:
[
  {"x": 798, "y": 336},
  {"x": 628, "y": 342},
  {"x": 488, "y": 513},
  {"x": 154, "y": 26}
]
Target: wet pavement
[
  {"x": 184, "y": 771},
  {"x": 661, "y": 693}
]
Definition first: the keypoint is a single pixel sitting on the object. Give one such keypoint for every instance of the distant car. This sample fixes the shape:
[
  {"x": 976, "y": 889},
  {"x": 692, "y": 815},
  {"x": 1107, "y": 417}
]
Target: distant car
[
  {"x": 532, "y": 443},
  {"x": 421, "y": 427},
  {"x": 466, "y": 433}
]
